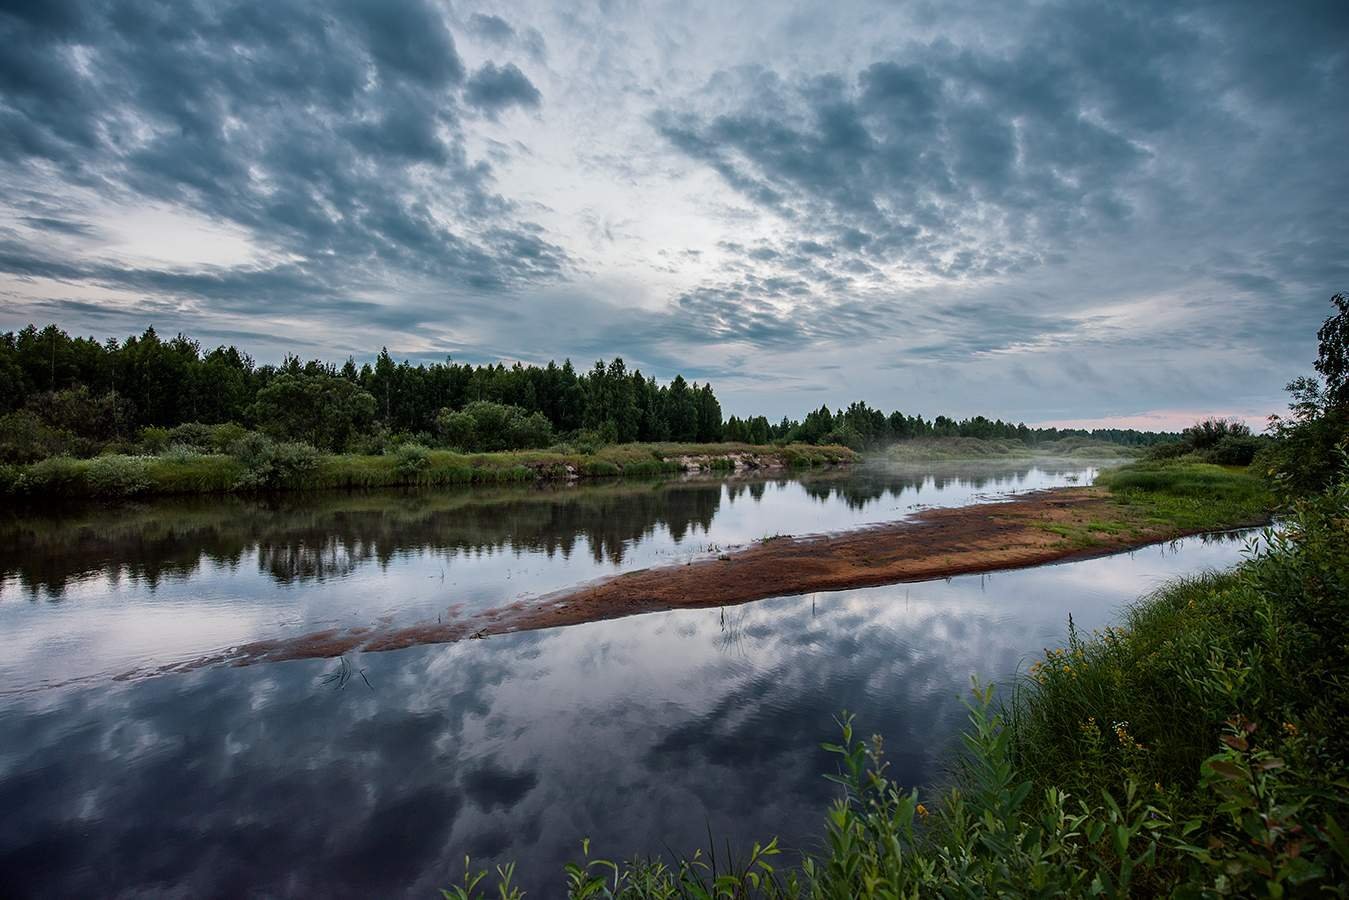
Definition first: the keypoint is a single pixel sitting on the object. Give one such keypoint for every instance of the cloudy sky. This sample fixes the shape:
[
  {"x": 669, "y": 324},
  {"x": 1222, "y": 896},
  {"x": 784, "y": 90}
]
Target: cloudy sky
[{"x": 1126, "y": 213}]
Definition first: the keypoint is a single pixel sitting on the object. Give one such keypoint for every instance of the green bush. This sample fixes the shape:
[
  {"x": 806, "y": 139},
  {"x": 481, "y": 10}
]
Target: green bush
[
  {"x": 226, "y": 435},
  {"x": 1234, "y": 450},
  {"x": 180, "y": 453},
  {"x": 271, "y": 465},
  {"x": 192, "y": 434},
  {"x": 154, "y": 440},
  {"x": 482, "y": 426},
  {"x": 57, "y": 476},
  {"x": 117, "y": 476},
  {"x": 25, "y": 438},
  {"x": 410, "y": 460}
]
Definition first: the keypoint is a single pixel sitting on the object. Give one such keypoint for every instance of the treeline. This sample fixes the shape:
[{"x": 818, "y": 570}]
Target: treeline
[{"x": 80, "y": 396}]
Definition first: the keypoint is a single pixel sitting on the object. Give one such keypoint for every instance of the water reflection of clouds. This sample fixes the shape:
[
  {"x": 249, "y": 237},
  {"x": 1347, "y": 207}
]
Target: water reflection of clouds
[
  {"x": 207, "y": 574},
  {"x": 635, "y": 732}
]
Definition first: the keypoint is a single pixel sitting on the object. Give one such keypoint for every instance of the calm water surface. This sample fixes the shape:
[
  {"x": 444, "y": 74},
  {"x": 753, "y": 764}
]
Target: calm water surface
[{"x": 374, "y": 776}]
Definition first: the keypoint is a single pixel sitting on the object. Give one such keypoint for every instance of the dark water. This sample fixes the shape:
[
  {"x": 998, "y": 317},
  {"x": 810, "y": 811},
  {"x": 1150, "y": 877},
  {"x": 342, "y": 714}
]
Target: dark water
[{"x": 375, "y": 775}]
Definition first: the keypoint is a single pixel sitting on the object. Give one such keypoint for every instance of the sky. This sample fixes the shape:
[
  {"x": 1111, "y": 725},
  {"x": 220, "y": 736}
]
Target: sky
[{"x": 1057, "y": 212}]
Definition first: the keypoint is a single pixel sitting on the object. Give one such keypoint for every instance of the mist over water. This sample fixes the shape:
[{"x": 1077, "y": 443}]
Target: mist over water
[{"x": 376, "y": 774}]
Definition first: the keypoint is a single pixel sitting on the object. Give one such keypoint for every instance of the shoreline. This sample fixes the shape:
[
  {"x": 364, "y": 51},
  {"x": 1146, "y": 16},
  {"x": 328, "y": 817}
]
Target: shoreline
[{"x": 1038, "y": 528}]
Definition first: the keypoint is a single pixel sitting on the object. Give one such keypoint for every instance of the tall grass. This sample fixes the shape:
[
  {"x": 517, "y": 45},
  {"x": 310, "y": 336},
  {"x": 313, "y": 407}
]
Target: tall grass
[{"x": 1191, "y": 496}]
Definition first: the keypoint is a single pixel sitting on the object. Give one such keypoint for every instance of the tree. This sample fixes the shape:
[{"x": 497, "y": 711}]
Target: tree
[
  {"x": 486, "y": 426},
  {"x": 324, "y": 411},
  {"x": 1332, "y": 358}
]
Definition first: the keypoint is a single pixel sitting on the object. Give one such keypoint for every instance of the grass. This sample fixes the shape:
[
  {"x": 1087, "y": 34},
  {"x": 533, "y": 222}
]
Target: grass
[
  {"x": 1189, "y": 496},
  {"x": 215, "y": 473},
  {"x": 1199, "y": 750}
]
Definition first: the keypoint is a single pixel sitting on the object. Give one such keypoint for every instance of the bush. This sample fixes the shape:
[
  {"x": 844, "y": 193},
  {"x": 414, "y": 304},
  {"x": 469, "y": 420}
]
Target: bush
[
  {"x": 1168, "y": 450},
  {"x": 226, "y": 435},
  {"x": 1234, "y": 450},
  {"x": 411, "y": 459},
  {"x": 270, "y": 465},
  {"x": 193, "y": 435},
  {"x": 154, "y": 440},
  {"x": 1206, "y": 434},
  {"x": 25, "y": 438},
  {"x": 117, "y": 476},
  {"x": 58, "y": 476},
  {"x": 180, "y": 453},
  {"x": 488, "y": 427}
]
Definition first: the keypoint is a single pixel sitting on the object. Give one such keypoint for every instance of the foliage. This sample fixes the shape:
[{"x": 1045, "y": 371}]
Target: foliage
[
  {"x": 1191, "y": 496},
  {"x": 320, "y": 410},
  {"x": 1207, "y": 433},
  {"x": 485, "y": 426},
  {"x": 269, "y": 464},
  {"x": 1332, "y": 359},
  {"x": 117, "y": 476},
  {"x": 92, "y": 396},
  {"x": 25, "y": 438},
  {"x": 56, "y": 476},
  {"x": 411, "y": 460}
]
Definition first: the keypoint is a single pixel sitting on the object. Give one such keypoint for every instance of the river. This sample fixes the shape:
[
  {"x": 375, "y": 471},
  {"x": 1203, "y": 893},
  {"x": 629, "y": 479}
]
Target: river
[{"x": 373, "y": 775}]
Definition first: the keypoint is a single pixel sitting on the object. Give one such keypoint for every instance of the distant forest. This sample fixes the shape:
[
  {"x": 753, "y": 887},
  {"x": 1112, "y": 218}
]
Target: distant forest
[{"x": 79, "y": 395}]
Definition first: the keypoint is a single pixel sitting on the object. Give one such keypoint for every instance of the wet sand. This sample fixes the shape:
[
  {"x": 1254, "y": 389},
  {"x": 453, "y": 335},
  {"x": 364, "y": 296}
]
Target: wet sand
[{"x": 933, "y": 544}]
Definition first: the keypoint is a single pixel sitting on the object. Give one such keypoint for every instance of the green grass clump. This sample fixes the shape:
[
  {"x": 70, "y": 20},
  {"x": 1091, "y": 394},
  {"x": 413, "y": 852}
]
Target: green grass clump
[{"x": 1190, "y": 496}]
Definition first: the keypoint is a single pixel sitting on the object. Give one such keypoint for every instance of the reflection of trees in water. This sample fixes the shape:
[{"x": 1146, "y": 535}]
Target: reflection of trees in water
[
  {"x": 316, "y": 537},
  {"x": 864, "y": 486},
  {"x": 320, "y": 537}
]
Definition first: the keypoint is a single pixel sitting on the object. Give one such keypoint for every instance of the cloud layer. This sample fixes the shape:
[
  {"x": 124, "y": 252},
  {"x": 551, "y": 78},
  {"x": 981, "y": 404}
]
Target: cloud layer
[{"x": 1055, "y": 211}]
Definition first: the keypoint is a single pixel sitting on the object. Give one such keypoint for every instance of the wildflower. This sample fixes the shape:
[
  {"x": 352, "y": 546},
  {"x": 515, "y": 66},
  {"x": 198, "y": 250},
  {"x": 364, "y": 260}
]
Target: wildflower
[
  {"x": 1290, "y": 729},
  {"x": 1126, "y": 740},
  {"x": 922, "y": 811}
]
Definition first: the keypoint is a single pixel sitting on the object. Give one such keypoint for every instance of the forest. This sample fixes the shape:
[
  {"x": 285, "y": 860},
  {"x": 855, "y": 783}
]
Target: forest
[{"x": 79, "y": 396}]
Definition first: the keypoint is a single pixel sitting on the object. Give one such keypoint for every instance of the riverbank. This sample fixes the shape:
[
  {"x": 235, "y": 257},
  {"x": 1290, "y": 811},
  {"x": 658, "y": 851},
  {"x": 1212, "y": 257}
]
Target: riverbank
[
  {"x": 282, "y": 469},
  {"x": 1134, "y": 507}
]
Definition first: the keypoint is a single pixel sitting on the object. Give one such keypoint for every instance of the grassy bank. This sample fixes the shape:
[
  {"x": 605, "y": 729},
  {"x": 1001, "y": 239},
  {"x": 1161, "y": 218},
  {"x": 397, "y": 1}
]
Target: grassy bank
[
  {"x": 1199, "y": 750},
  {"x": 969, "y": 448},
  {"x": 295, "y": 467}
]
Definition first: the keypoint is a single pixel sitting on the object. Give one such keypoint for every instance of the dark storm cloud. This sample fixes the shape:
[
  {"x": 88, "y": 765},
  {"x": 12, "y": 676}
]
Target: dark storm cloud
[
  {"x": 492, "y": 89},
  {"x": 332, "y": 135}
]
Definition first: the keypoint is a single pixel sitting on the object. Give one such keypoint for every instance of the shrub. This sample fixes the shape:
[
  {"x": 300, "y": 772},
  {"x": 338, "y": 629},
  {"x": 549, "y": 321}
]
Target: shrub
[
  {"x": 486, "y": 427},
  {"x": 180, "y": 453},
  {"x": 1206, "y": 434},
  {"x": 270, "y": 465},
  {"x": 117, "y": 476},
  {"x": 154, "y": 440},
  {"x": 25, "y": 438},
  {"x": 224, "y": 436},
  {"x": 192, "y": 434},
  {"x": 58, "y": 476},
  {"x": 411, "y": 459},
  {"x": 1234, "y": 450}
]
